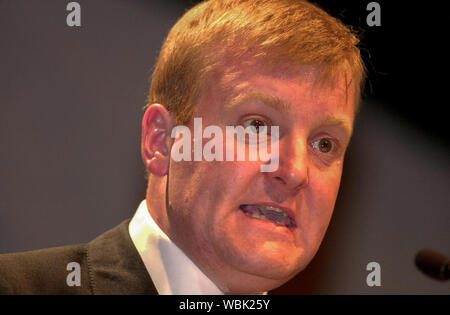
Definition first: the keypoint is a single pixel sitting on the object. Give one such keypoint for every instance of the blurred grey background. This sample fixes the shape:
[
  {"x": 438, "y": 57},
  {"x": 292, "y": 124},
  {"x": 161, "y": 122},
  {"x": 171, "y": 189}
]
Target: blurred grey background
[{"x": 71, "y": 102}]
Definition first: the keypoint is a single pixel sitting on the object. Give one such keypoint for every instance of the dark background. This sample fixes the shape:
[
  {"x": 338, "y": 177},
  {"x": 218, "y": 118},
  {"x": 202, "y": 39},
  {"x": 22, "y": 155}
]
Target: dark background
[{"x": 70, "y": 108}]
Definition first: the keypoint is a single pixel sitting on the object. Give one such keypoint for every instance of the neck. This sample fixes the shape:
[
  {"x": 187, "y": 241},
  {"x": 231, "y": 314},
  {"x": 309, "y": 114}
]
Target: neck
[{"x": 156, "y": 201}]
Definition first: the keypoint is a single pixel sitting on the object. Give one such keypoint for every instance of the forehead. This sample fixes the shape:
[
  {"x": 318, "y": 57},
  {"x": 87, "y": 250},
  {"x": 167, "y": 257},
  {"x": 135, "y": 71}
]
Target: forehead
[{"x": 287, "y": 86}]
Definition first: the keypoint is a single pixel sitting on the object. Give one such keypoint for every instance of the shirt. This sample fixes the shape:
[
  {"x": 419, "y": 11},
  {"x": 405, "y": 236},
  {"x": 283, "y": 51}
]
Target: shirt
[{"x": 171, "y": 270}]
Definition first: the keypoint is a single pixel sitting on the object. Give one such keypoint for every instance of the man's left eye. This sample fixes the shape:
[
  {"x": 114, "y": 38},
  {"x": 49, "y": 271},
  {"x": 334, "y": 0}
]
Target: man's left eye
[{"x": 323, "y": 145}]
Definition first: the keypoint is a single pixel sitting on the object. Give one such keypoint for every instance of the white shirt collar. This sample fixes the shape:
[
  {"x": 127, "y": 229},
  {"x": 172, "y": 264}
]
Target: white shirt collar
[{"x": 171, "y": 270}]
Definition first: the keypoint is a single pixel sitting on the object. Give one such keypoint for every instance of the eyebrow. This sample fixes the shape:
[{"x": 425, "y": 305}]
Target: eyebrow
[
  {"x": 337, "y": 121},
  {"x": 271, "y": 101}
]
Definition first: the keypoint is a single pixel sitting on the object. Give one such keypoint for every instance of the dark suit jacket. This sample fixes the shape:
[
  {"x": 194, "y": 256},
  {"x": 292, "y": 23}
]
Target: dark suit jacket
[{"x": 110, "y": 264}]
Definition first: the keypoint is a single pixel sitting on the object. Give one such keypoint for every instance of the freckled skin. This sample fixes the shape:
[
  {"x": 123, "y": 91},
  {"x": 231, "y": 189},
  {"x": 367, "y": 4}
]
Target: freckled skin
[{"x": 203, "y": 219}]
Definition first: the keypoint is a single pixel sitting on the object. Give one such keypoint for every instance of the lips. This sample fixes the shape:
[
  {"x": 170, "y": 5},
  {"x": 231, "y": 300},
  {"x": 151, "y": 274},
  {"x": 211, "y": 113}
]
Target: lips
[{"x": 270, "y": 212}]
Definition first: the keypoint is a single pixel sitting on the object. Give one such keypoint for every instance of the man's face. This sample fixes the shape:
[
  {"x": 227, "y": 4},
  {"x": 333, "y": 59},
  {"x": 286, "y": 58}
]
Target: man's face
[{"x": 210, "y": 202}]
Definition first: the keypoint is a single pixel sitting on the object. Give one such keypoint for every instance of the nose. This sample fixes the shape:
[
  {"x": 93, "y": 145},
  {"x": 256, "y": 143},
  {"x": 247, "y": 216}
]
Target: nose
[{"x": 293, "y": 170}]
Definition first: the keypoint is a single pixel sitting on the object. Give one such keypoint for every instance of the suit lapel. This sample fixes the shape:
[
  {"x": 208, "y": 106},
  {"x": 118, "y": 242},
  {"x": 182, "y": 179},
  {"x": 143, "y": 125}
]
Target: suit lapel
[{"x": 115, "y": 266}]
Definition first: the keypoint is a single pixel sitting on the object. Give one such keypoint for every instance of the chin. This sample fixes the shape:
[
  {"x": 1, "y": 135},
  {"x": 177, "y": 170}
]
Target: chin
[
  {"x": 263, "y": 277},
  {"x": 281, "y": 264}
]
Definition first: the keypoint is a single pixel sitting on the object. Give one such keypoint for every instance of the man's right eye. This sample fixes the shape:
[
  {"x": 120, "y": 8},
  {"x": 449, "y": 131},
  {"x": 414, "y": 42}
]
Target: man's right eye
[{"x": 255, "y": 125}]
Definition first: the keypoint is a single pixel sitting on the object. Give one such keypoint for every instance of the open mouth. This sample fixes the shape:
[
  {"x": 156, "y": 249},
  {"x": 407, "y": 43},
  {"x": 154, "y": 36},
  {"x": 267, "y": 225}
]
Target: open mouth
[{"x": 269, "y": 213}]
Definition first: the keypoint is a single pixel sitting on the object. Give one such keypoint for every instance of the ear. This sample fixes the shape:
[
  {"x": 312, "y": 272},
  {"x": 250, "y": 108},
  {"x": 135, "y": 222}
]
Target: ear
[{"x": 157, "y": 127}]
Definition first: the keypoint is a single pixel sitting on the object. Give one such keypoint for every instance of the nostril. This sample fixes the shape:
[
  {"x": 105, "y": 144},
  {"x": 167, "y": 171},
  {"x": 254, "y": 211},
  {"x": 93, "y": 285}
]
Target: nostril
[{"x": 296, "y": 187}]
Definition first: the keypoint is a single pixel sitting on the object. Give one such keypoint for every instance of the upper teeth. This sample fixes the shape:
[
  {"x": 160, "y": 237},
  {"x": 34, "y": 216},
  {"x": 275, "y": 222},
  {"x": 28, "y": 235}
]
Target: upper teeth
[{"x": 273, "y": 209}]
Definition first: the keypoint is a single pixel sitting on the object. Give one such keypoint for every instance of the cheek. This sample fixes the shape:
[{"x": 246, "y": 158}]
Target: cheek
[
  {"x": 323, "y": 190},
  {"x": 204, "y": 192},
  {"x": 202, "y": 197},
  {"x": 326, "y": 182}
]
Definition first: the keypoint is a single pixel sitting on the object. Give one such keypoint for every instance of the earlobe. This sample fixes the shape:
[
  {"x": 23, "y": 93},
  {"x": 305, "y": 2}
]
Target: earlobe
[
  {"x": 158, "y": 165},
  {"x": 156, "y": 141}
]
